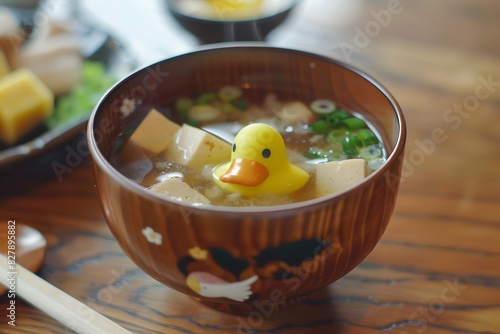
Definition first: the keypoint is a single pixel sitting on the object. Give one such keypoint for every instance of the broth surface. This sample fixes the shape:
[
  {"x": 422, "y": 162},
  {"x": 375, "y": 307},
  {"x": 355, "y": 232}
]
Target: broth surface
[{"x": 307, "y": 139}]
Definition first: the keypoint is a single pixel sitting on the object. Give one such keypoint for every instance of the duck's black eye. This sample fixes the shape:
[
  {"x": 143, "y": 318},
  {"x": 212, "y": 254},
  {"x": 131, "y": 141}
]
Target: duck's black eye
[
  {"x": 266, "y": 153},
  {"x": 234, "y": 147}
]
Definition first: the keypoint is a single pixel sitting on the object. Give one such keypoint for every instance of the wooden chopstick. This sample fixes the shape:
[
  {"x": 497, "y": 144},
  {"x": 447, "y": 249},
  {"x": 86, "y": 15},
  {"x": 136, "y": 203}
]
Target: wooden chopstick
[{"x": 75, "y": 315}]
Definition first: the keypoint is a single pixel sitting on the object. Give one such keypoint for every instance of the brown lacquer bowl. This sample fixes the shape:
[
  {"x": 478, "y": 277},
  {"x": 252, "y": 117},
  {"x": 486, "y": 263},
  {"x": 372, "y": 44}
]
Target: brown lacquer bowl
[{"x": 244, "y": 259}]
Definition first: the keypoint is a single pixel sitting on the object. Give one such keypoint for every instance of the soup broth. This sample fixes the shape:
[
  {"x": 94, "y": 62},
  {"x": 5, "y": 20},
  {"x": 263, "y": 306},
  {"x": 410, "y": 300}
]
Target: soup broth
[{"x": 315, "y": 132}]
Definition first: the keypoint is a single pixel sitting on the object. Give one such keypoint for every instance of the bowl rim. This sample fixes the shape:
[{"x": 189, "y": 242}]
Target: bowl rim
[{"x": 110, "y": 171}]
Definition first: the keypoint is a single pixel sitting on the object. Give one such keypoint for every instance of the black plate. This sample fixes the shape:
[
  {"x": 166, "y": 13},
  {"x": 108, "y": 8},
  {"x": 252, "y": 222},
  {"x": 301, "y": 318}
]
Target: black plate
[{"x": 96, "y": 46}]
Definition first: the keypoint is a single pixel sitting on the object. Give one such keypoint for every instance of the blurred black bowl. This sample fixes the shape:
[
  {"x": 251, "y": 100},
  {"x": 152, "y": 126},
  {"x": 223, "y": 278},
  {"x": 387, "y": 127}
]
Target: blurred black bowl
[{"x": 217, "y": 30}]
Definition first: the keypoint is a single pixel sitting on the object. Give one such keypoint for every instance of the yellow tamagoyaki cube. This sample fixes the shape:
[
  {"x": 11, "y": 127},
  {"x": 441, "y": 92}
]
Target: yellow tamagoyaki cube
[{"x": 24, "y": 103}]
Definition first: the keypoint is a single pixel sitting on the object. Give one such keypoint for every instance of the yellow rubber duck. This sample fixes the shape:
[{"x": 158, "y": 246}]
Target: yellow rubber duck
[{"x": 259, "y": 164}]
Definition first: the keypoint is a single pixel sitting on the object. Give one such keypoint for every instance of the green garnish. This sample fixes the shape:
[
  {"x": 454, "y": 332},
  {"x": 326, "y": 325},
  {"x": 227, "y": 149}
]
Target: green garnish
[
  {"x": 226, "y": 107},
  {"x": 314, "y": 153},
  {"x": 320, "y": 127},
  {"x": 337, "y": 135},
  {"x": 336, "y": 117},
  {"x": 370, "y": 152},
  {"x": 323, "y": 106},
  {"x": 349, "y": 146},
  {"x": 83, "y": 98},
  {"x": 240, "y": 103},
  {"x": 348, "y": 136},
  {"x": 206, "y": 98},
  {"x": 329, "y": 155},
  {"x": 183, "y": 104},
  {"x": 210, "y": 107},
  {"x": 367, "y": 137},
  {"x": 229, "y": 93},
  {"x": 354, "y": 123}
]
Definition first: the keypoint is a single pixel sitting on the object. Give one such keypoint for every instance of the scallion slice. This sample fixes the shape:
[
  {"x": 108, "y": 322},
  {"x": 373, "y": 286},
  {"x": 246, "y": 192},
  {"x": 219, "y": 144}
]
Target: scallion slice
[
  {"x": 349, "y": 146},
  {"x": 183, "y": 104},
  {"x": 370, "y": 152},
  {"x": 337, "y": 135},
  {"x": 203, "y": 113},
  {"x": 320, "y": 127},
  {"x": 323, "y": 106},
  {"x": 367, "y": 137},
  {"x": 229, "y": 93},
  {"x": 206, "y": 98},
  {"x": 240, "y": 103},
  {"x": 354, "y": 123}
]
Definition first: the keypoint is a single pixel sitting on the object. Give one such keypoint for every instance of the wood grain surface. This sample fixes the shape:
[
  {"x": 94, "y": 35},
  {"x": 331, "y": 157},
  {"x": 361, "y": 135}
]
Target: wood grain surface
[{"x": 436, "y": 269}]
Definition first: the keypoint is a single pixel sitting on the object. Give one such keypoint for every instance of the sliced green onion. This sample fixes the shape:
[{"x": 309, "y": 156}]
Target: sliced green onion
[
  {"x": 354, "y": 123},
  {"x": 183, "y": 104},
  {"x": 323, "y": 106},
  {"x": 376, "y": 163},
  {"x": 370, "y": 152},
  {"x": 320, "y": 127},
  {"x": 337, "y": 135},
  {"x": 337, "y": 115},
  {"x": 203, "y": 113},
  {"x": 193, "y": 123},
  {"x": 206, "y": 98},
  {"x": 354, "y": 137},
  {"x": 335, "y": 118},
  {"x": 314, "y": 153},
  {"x": 240, "y": 103},
  {"x": 83, "y": 98},
  {"x": 349, "y": 147},
  {"x": 229, "y": 93},
  {"x": 330, "y": 155},
  {"x": 227, "y": 107},
  {"x": 367, "y": 137}
]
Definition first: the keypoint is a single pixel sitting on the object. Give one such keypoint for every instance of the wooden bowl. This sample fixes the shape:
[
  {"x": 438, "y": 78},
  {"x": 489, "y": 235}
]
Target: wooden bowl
[
  {"x": 277, "y": 253},
  {"x": 222, "y": 29}
]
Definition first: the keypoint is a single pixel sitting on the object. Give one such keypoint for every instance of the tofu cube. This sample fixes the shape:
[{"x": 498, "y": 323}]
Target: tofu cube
[
  {"x": 196, "y": 148},
  {"x": 154, "y": 133},
  {"x": 178, "y": 190},
  {"x": 295, "y": 113},
  {"x": 335, "y": 176},
  {"x": 24, "y": 102}
]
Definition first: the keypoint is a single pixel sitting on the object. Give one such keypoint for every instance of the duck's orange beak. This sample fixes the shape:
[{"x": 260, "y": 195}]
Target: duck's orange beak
[{"x": 245, "y": 172}]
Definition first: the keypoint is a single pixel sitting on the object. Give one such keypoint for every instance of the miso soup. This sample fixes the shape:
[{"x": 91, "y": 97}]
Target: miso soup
[
  {"x": 315, "y": 131},
  {"x": 231, "y": 9}
]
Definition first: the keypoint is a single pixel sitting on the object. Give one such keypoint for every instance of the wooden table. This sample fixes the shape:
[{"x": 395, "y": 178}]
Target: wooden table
[{"x": 437, "y": 268}]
